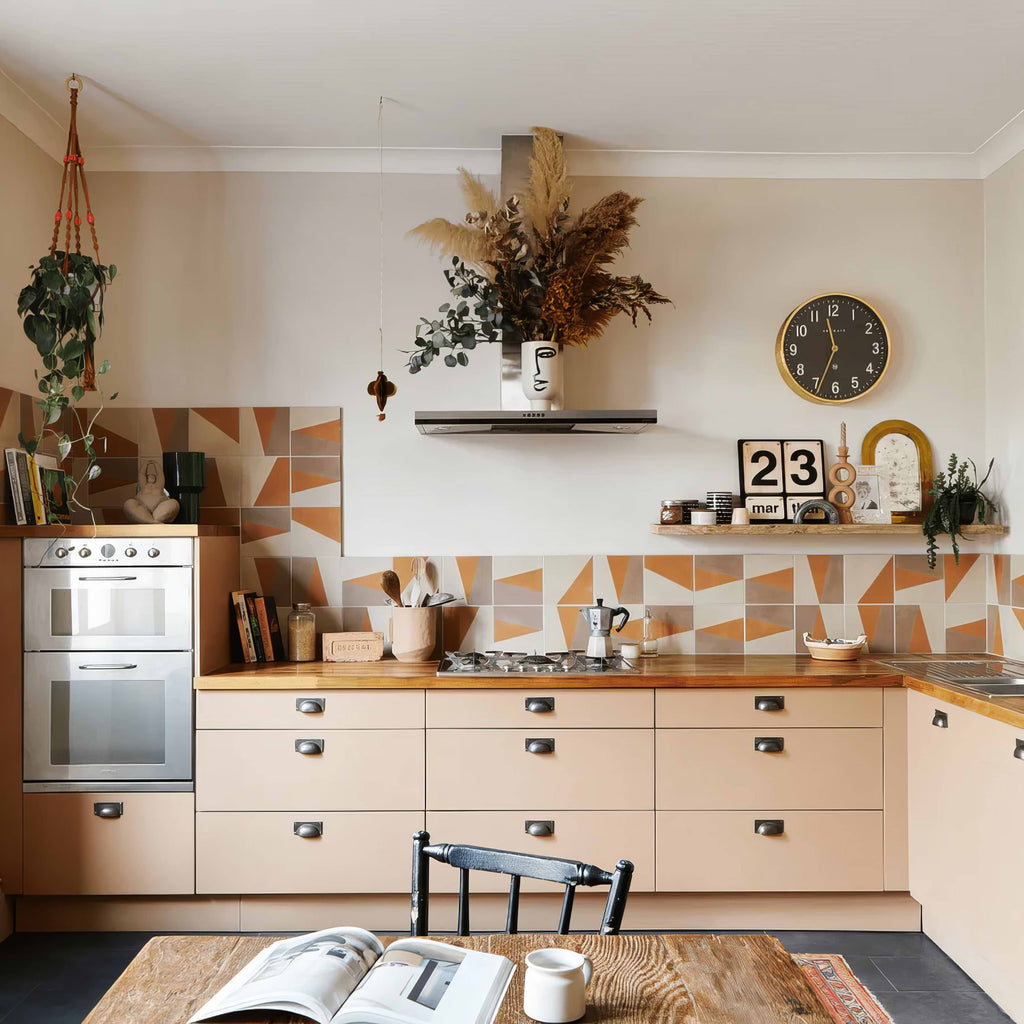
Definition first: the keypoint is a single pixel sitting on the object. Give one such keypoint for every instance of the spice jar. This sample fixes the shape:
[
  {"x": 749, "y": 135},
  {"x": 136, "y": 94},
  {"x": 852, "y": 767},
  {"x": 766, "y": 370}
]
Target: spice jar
[
  {"x": 302, "y": 634},
  {"x": 672, "y": 511}
]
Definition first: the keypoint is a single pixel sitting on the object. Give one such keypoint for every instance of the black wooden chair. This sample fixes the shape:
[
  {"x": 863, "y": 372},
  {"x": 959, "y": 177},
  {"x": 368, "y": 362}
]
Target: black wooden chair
[{"x": 569, "y": 873}]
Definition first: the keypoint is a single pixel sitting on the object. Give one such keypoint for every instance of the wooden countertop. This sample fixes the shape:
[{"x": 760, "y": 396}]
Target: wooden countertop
[{"x": 138, "y": 530}]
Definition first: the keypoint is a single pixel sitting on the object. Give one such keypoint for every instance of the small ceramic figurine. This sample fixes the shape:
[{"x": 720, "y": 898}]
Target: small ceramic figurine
[{"x": 151, "y": 504}]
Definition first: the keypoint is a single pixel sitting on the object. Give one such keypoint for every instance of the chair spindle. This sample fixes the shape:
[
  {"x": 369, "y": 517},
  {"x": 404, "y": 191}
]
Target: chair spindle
[
  {"x": 563, "y": 921},
  {"x": 512, "y": 923},
  {"x": 463, "y": 901}
]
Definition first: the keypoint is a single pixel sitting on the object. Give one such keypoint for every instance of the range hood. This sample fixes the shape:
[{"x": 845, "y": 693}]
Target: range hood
[{"x": 531, "y": 421}]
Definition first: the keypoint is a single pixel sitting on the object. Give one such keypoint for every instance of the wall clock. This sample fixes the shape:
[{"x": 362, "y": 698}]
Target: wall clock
[{"x": 834, "y": 348}]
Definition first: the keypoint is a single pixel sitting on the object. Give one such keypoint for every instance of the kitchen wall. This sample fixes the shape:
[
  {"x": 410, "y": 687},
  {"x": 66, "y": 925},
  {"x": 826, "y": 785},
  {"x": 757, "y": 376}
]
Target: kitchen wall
[{"x": 261, "y": 289}]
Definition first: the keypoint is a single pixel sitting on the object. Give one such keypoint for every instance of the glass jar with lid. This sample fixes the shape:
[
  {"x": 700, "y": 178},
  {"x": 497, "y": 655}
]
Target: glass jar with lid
[
  {"x": 302, "y": 633},
  {"x": 672, "y": 511}
]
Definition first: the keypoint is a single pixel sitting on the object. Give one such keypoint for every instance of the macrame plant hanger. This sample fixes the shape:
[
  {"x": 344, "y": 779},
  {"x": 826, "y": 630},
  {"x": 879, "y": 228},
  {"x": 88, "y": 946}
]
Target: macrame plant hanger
[
  {"x": 380, "y": 388},
  {"x": 71, "y": 178}
]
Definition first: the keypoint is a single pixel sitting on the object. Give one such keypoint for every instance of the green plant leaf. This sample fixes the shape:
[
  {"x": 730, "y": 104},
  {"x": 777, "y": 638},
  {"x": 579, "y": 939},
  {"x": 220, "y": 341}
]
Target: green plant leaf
[
  {"x": 94, "y": 471},
  {"x": 64, "y": 447},
  {"x": 104, "y": 366},
  {"x": 111, "y": 272},
  {"x": 78, "y": 392}
]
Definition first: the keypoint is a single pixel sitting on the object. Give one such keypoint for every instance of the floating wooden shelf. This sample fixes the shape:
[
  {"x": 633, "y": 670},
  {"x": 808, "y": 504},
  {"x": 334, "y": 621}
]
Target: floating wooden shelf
[{"x": 820, "y": 529}]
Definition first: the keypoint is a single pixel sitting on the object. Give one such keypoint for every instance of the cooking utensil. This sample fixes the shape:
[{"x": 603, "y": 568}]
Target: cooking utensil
[
  {"x": 413, "y": 595},
  {"x": 433, "y": 600},
  {"x": 600, "y": 619},
  {"x": 391, "y": 585}
]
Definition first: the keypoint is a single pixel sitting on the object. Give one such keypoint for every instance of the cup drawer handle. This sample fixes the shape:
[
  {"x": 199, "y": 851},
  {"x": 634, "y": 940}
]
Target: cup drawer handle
[
  {"x": 770, "y": 703},
  {"x": 540, "y": 705},
  {"x": 112, "y": 809},
  {"x": 940, "y": 720},
  {"x": 1018, "y": 750},
  {"x": 540, "y": 745},
  {"x": 308, "y": 829},
  {"x": 309, "y": 746},
  {"x": 769, "y": 744},
  {"x": 311, "y": 705},
  {"x": 540, "y": 828},
  {"x": 769, "y": 826}
]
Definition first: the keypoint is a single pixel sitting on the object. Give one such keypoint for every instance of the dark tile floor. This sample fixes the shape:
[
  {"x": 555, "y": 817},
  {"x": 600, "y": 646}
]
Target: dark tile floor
[{"x": 58, "y": 978}]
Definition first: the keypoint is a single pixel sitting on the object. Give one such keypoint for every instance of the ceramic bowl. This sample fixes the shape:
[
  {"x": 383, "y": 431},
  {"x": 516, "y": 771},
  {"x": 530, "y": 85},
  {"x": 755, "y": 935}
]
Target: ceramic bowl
[{"x": 835, "y": 650}]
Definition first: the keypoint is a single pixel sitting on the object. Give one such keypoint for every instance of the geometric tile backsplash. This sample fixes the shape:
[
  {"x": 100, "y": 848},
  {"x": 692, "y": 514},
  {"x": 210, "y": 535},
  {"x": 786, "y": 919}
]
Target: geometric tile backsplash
[{"x": 276, "y": 473}]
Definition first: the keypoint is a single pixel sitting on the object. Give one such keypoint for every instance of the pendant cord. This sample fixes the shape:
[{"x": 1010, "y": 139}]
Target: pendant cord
[{"x": 380, "y": 209}]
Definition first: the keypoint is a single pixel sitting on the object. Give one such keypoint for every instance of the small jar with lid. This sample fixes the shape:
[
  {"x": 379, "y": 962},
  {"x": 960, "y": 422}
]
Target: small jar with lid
[
  {"x": 672, "y": 511},
  {"x": 302, "y": 634}
]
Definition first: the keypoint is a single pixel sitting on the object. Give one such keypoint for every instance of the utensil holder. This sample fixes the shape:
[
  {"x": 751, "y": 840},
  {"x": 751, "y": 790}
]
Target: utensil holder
[{"x": 413, "y": 633}]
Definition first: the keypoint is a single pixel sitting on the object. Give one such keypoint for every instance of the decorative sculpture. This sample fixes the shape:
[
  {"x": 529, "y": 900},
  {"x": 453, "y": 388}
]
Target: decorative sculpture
[
  {"x": 151, "y": 504},
  {"x": 841, "y": 476}
]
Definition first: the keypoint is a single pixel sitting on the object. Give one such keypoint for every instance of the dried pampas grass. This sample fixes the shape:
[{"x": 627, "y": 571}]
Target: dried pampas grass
[
  {"x": 469, "y": 244},
  {"x": 479, "y": 198},
  {"x": 548, "y": 190}
]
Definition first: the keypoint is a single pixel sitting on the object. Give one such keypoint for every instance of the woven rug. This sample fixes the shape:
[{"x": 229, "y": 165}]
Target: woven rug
[{"x": 847, "y": 1000}]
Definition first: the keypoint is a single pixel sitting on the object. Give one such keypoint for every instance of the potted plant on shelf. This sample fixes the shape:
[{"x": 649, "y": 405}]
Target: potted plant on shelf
[
  {"x": 958, "y": 499},
  {"x": 525, "y": 271}
]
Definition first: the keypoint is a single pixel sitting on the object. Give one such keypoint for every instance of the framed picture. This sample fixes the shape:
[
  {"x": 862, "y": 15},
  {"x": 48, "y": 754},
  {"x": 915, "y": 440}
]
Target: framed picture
[
  {"x": 777, "y": 476},
  {"x": 871, "y": 495},
  {"x": 903, "y": 450}
]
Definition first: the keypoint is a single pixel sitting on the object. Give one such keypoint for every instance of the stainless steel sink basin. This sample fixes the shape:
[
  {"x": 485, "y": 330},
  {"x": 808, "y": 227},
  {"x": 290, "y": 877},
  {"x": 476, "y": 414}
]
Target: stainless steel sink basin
[{"x": 1006, "y": 687}]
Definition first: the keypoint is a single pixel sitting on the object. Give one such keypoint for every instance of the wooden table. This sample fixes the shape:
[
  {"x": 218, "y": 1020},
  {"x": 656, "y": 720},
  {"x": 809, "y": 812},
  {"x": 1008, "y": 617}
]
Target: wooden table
[{"x": 671, "y": 979}]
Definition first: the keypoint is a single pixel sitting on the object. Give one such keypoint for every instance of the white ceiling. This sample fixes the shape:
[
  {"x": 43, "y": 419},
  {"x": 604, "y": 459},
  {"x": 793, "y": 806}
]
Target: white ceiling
[{"x": 869, "y": 86}]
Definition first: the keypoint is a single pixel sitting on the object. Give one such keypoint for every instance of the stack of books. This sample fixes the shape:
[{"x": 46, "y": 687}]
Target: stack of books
[
  {"x": 38, "y": 489},
  {"x": 258, "y": 627}
]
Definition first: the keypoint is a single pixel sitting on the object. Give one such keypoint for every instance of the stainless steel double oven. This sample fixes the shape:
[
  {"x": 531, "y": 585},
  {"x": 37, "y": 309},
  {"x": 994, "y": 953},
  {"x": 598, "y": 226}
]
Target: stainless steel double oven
[{"x": 108, "y": 640}]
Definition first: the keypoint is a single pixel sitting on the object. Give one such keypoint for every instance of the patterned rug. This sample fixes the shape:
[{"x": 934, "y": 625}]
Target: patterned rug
[{"x": 847, "y": 1000}]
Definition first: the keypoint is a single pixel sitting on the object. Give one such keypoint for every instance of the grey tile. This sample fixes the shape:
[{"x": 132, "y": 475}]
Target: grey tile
[
  {"x": 968, "y": 1007},
  {"x": 932, "y": 971},
  {"x": 869, "y": 975},
  {"x": 870, "y": 944}
]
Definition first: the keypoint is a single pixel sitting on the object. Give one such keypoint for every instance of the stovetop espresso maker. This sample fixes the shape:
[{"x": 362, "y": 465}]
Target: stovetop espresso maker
[{"x": 600, "y": 619}]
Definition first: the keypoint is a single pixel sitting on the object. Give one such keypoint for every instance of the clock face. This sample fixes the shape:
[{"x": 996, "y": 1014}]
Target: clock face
[{"x": 833, "y": 348}]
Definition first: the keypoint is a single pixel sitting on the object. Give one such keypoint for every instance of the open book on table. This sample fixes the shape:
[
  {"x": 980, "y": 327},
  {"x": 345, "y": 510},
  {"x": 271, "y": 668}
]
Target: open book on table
[{"x": 345, "y": 976}]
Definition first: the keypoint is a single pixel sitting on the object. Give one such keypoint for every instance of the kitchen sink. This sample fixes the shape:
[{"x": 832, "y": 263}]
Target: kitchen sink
[{"x": 1006, "y": 687}]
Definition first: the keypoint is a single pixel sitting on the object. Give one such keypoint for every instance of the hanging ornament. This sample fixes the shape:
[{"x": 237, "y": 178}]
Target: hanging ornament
[
  {"x": 380, "y": 387},
  {"x": 69, "y": 215}
]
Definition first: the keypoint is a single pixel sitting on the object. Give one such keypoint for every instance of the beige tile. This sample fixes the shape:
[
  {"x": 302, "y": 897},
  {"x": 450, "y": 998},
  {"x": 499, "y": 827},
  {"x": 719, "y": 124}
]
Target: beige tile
[
  {"x": 877, "y": 622},
  {"x": 916, "y": 582},
  {"x": 868, "y": 579},
  {"x": 769, "y": 579},
  {"x": 668, "y": 579},
  {"x": 718, "y": 579},
  {"x": 966, "y": 628},
  {"x": 920, "y": 629},
  {"x": 718, "y": 628},
  {"x": 818, "y": 579}
]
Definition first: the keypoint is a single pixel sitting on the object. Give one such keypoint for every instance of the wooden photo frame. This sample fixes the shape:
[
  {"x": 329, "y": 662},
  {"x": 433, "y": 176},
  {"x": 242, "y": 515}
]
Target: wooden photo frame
[{"x": 907, "y": 454}]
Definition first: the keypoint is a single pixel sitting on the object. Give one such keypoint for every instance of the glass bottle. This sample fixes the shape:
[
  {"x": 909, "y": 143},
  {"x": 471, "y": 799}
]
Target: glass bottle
[
  {"x": 649, "y": 644},
  {"x": 302, "y": 634}
]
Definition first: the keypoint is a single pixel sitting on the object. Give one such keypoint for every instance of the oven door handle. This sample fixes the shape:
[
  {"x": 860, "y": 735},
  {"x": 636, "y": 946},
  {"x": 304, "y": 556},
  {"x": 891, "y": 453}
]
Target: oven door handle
[
  {"x": 105, "y": 579},
  {"x": 105, "y": 668}
]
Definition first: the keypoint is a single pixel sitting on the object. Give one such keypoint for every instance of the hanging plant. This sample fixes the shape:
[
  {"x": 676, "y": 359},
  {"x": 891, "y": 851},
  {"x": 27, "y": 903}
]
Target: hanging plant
[
  {"x": 958, "y": 499},
  {"x": 62, "y": 314}
]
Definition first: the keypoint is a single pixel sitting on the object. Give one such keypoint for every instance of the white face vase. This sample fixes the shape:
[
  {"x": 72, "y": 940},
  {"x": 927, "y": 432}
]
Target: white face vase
[{"x": 542, "y": 374}]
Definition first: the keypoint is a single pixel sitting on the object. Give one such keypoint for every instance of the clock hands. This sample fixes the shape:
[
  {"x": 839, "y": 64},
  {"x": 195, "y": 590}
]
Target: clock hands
[{"x": 828, "y": 365}]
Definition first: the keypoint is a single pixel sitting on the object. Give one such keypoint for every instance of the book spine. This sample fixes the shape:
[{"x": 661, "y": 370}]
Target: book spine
[
  {"x": 38, "y": 506},
  {"x": 254, "y": 626},
  {"x": 261, "y": 615},
  {"x": 14, "y": 483},
  {"x": 25, "y": 484},
  {"x": 243, "y": 626},
  {"x": 276, "y": 639}
]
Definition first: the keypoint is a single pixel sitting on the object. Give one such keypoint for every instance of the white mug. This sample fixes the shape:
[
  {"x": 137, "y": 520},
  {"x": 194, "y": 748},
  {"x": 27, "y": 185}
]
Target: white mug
[
  {"x": 740, "y": 517},
  {"x": 703, "y": 517},
  {"x": 555, "y": 989}
]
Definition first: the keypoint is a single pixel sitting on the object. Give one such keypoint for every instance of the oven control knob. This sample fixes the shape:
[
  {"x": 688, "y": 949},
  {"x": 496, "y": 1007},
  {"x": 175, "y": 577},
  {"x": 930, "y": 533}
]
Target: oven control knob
[
  {"x": 130, "y": 552},
  {"x": 153, "y": 552},
  {"x": 61, "y": 553},
  {"x": 84, "y": 552},
  {"x": 107, "y": 551}
]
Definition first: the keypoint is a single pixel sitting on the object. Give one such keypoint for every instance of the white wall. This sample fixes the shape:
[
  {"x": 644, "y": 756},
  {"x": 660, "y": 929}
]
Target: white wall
[
  {"x": 29, "y": 181},
  {"x": 1004, "y": 330}
]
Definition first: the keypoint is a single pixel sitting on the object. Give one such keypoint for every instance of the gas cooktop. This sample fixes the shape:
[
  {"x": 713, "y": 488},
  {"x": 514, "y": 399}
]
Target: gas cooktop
[{"x": 558, "y": 663}]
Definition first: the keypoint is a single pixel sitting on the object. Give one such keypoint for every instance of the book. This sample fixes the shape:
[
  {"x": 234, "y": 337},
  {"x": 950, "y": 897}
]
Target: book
[
  {"x": 248, "y": 647},
  {"x": 55, "y": 496},
  {"x": 35, "y": 485},
  {"x": 14, "y": 485},
  {"x": 276, "y": 637},
  {"x": 261, "y": 617},
  {"x": 254, "y": 625},
  {"x": 345, "y": 976}
]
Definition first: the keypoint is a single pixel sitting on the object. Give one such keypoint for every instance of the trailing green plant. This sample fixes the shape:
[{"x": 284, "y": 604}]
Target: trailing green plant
[
  {"x": 62, "y": 314},
  {"x": 957, "y": 496}
]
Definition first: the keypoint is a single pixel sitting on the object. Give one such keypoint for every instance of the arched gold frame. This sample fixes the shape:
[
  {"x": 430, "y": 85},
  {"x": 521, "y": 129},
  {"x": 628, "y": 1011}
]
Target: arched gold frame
[
  {"x": 924, "y": 458},
  {"x": 789, "y": 378}
]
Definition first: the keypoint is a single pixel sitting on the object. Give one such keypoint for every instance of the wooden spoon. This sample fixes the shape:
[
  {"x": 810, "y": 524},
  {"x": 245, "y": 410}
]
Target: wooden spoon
[{"x": 391, "y": 585}]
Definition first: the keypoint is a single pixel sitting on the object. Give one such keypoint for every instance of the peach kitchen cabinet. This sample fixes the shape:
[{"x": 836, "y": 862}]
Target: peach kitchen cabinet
[{"x": 966, "y": 802}]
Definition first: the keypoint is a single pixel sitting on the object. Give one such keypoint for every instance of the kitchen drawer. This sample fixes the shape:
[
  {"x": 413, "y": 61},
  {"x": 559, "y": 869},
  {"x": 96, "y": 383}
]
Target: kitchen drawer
[
  {"x": 804, "y": 707},
  {"x": 818, "y": 851},
  {"x": 553, "y": 708},
  {"x": 588, "y": 770},
  {"x": 261, "y": 770},
  {"x": 146, "y": 851},
  {"x": 283, "y": 709},
  {"x": 827, "y": 769},
  {"x": 594, "y": 837},
  {"x": 259, "y": 852}
]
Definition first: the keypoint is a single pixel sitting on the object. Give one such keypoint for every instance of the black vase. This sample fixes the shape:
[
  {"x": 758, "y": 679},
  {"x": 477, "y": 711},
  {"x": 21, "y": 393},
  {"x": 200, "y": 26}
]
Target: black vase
[{"x": 185, "y": 478}]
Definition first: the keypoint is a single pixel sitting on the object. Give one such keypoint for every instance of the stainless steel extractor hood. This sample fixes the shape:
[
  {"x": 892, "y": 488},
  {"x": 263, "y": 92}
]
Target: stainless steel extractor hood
[{"x": 527, "y": 421}]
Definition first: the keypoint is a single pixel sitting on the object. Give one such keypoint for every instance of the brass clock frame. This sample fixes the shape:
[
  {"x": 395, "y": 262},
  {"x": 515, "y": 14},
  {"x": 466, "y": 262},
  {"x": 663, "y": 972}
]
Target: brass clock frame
[{"x": 790, "y": 380}]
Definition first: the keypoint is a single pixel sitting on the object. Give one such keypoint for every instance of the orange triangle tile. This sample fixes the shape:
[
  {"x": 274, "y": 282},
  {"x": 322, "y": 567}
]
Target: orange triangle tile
[
  {"x": 677, "y": 568},
  {"x": 164, "y": 420},
  {"x": 458, "y": 619},
  {"x": 568, "y": 617},
  {"x": 307, "y": 481},
  {"x": 329, "y": 431},
  {"x": 880, "y": 591},
  {"x": 266, "y": 570},
  {"x": 260, "y": 531},
  {"x": 317, "y": 590},
  {"x": 997, "y": 639},
  {"x": 907, "y": 578},
  {"x": 782, "y": 579},
  {"x": 1019, "y": 613},
  {"x": 869, "y": 616},
  {"x": 757, "y": 628},
  {"x": 6, "y": 394},
  {"x": 581, "y": 590},
  {"x": 954, "y": 574},
  {"x": 510, "y": 630},
  {"x": 213, "y": 492},
  {"x": 818, "y": 564},
  {"x": 264, "y": 424},
  {"x": 532, "y": 580},
  {"x": 108, "y": 481},
  {"x": 618, "y": 566},
  {"x": 225, "y": 420},
  {"x": 919, "y": 643},
  {"x": 325, "y": 521},
  {"x": 366, "y": 625},
  {"x": 1000, "y": 567},
  {"x": 978, "y": 628},
  {"x": 705, "y": 579},
  {"x": 731, "y": 630},
  {"x": 467, "y": 566},
  {"x": 819, "y": 632},
  {"x": 371, "y": 580},
  {"x": 275, "y": 489}
]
